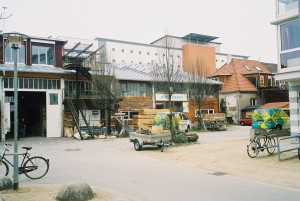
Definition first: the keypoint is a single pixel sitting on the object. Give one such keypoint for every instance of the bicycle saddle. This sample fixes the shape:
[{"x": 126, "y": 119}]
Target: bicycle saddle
[{"x": 27, "y": 148}]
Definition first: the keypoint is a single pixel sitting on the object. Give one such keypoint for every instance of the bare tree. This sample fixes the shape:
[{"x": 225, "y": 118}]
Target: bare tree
[
  {"x": 200, "y": 88},
  {"x": 104, "y": 83},
  {"x": 167, "y": 72}
]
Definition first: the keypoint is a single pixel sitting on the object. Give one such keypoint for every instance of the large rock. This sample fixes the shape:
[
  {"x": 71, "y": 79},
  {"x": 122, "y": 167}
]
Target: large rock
[
  {"x": 75, "y": 192},
  {"x": 5, "y": 183}
]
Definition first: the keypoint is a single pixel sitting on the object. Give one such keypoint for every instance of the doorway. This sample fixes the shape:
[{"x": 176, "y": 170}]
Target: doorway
[{"x": 31, "y": 113}]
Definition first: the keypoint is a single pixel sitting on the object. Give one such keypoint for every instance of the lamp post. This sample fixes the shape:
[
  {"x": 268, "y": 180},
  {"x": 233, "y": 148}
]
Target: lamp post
[{"x": 15, "y": 41}]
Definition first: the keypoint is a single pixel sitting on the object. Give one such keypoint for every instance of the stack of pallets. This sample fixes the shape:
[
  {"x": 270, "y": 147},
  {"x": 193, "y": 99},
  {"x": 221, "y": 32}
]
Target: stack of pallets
[{"x": 144, "y": 120}]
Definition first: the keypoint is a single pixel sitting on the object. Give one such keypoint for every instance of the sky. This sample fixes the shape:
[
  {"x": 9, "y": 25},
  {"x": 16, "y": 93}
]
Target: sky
[{"x": 243, "y": 26}]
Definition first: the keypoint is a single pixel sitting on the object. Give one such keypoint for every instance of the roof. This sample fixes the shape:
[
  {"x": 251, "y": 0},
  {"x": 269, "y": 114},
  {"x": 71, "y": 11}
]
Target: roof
[
  {"x": 199, "y": 37},
  {"x": 141, "y": 72},
  {"x": 132, "y": 71},
  {"x": 34, "y": 69},
  {"x": 271, "y": 67},
  {"x": 275, "y": 105},
  {"x": 236, "y": 70}
]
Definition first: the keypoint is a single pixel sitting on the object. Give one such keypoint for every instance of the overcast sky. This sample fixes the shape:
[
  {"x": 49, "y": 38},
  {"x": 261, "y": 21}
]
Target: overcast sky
[{"x": 243, "y": 26}]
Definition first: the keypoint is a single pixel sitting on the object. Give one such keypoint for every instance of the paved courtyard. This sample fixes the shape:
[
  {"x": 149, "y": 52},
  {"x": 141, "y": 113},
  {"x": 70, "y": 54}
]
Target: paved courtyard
[{"x": 219, "y": 160}]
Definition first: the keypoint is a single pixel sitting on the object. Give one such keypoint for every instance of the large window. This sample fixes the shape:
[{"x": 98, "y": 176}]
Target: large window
[
  {"x": 285, "y": 6},
  {"x": 135, "y": 89},
  {"x": 204, "y": 111},
  {"x": 32, "y": 83},
  {"x": 42, "y": 55},
  {"x": 85, "y": 88},
  {"x": 9, "y": 56},
  {"x": 290, "y": 44},
  {"x": 290, "y": 35}
]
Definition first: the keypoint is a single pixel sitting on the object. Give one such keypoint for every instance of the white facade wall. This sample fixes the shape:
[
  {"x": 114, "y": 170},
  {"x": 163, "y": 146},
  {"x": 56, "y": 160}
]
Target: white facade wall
[
  {"x": 122, "y": 51},
  {"x": 134, "y": 52},
  {"x": 287, "y": 12}
]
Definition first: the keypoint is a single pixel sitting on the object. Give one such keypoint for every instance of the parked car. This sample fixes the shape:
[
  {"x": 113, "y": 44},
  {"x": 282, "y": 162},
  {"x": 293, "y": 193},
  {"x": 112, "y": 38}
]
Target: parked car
[{"x": 246, "y": 121}]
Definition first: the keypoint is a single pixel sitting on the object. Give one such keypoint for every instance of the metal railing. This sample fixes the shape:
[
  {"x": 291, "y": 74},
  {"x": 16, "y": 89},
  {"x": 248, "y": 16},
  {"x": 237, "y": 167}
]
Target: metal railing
[
  {"x": 262, "y": 144},
  {"x": 289, "y": 149}
]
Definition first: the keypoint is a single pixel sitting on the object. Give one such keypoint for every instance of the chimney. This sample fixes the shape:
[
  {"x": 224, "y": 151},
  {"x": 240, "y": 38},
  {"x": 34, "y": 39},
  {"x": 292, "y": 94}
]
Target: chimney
[{"x": 229, "y": 57}]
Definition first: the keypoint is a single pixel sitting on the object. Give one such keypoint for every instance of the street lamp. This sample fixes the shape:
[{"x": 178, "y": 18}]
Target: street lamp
[{"x": 15, "y": 41}]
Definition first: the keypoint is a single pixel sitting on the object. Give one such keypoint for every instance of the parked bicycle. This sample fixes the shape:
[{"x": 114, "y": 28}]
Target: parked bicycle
[
  {"x": 33, "y": 167},
  {"x": 256, "y": 144}
]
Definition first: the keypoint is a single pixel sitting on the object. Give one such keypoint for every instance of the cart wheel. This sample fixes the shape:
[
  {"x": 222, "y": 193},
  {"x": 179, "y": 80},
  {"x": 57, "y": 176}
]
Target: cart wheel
[
  {"x": 137, "y": 145},
  {"x": 162, "y": 148}
]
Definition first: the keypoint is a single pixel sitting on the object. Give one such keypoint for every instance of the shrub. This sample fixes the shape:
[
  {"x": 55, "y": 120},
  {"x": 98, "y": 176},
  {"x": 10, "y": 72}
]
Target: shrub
[{"x": 180, "y": 138}]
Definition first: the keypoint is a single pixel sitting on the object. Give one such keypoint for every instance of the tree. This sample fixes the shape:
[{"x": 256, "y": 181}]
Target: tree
[
  {"x": 167, "y": 73},
  {"x": 200, "y": 88},
  {"x": 104, "y": 83}
]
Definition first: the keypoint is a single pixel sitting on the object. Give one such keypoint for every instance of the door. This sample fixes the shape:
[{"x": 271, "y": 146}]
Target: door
[{"x": 54, "y": 114}]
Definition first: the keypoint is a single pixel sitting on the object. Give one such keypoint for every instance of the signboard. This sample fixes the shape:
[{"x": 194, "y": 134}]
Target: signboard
[{"x": 175, "y": 97}]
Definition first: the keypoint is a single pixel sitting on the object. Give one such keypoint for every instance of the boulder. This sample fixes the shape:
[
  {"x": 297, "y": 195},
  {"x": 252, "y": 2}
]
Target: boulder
[
  {"x": 75, "y": 191},
  {"x": 5, "y": 183}
]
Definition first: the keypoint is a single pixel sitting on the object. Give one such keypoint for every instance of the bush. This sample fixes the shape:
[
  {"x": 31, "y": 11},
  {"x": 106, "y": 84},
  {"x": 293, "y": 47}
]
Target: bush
[
  {"x": 192, "y": 137},
  {"x": 180, "y": 138}
]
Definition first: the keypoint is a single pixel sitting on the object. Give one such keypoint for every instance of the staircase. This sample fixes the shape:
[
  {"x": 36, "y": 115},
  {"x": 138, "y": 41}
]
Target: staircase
[{"x": 76, "y": 107}]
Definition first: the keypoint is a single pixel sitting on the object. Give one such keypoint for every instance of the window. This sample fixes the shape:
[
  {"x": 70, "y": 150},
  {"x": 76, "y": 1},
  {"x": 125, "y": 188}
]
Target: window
[
  {"x": 42, "y": 55},
  {"x": 290, "y": 44},
  {"x": 122, "y": 50},
  {"x": 290, "y": 35},
  {"x": 247, "y": 67},
  {"x": 32, "y": 83},
  {"x": 113, "y": 49},
  {"x": 53, "y": 99},
  {"x": 270, "y": 81},
  {"x": 257, "y": 68},
  {"x": 140, "y": 52},
  {"x": 148, "y": 53},
  {"x": 285, "y": 6},
  {"x": 204, "y": 111},
  {"x": 253, "y": 101},
  {"x": 261, "y": 81},
  {"x": 9, "y": 56},
  {"x": 131, "y": 51}
]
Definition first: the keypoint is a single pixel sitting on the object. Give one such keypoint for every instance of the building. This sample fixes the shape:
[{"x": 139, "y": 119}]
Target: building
[
  {"x": 41, "y": 81},
  {"x": 189, "y": 49},
  {"x": 49, "y": 79},
  {"x": 132, "y": 63},
  {"x": 247, "y": 85},
  {"x": 288, "y": 31}
]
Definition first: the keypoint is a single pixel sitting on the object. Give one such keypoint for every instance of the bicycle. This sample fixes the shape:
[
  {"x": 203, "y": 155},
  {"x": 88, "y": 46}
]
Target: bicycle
[
  {"x": 33, "y": 167},
  {"x": 255, "y": 145}
]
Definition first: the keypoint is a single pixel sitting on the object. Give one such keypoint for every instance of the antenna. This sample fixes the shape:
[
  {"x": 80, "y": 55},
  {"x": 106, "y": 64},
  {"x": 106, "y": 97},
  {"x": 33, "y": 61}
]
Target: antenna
[{"x": 3, "y": 17}]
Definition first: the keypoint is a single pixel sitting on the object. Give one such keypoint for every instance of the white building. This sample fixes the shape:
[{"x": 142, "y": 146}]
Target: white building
[
  {"x": 288, "y": 32},
  {"x": 141, "y": 53}
]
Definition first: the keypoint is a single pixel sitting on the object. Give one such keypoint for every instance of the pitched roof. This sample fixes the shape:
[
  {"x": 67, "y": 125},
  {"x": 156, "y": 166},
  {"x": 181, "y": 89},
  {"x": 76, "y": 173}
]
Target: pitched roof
[
  {"x": 275, "y": 105},
  {"x": 236, "y": 71}
]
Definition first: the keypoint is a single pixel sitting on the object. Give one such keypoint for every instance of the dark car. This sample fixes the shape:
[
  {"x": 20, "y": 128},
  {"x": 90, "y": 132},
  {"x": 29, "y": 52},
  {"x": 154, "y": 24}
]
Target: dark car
[{"x": 246, "y": 121}]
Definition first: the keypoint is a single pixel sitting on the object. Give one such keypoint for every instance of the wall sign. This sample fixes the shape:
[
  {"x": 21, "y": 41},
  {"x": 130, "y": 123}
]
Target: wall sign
[{"x": 175, "y": 97}]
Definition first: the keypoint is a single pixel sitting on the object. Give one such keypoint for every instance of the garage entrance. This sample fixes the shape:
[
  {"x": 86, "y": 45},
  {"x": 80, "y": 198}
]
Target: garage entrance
[{"x": 32, "y": 113}]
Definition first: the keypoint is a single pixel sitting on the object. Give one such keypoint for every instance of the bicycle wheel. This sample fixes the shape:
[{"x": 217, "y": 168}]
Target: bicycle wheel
[
  {"x": 3, "y": 169},
  {"x": 271, "y": 143},
  {"x": 36, "y": 167},
  {"x": 251, "y": 149}
]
